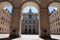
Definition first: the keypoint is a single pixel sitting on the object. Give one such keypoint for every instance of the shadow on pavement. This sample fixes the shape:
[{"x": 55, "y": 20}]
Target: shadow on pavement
[
  {"x": 5, "y": 39},
  {"x": 44, "y": 39},
  {"x": 50, "y": 39}
]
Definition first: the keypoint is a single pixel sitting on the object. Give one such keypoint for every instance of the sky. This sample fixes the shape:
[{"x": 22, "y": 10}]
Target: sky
[
  {"x": 26, "y": 9},
  {"x": 9, "y": 8},
  {"x": 51, "y": 8}
]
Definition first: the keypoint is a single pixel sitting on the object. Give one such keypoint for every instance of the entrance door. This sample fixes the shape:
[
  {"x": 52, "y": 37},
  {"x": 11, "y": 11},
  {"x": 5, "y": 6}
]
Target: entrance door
[
  {"x": 25, "y": 31},
  {"x": 33, "y": 31},
  {"x": 29, "y": 31}
]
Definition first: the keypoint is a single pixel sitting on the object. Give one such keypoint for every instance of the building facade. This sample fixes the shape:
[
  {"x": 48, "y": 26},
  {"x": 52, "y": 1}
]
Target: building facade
[
  {"x": 30, "y": 23},
  {"x": 54, "y": 19},
  {"x": 5, "y": 19}
]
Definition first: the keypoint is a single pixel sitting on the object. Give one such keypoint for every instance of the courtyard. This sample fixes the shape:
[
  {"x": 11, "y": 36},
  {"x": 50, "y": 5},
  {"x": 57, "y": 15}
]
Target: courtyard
[{"x": 29, "y": 37}]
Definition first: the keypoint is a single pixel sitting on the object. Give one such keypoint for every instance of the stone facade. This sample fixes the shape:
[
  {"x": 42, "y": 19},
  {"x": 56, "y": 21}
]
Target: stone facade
[
  {"x": 5, "y": 20},
  {"x": 54, "y": 19},
  {"x": 30, "y": 23}
]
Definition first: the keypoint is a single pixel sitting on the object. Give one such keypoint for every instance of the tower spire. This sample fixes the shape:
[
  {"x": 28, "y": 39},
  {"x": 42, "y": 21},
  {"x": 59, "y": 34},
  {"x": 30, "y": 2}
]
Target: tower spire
[{"x": 30, "y": 10}]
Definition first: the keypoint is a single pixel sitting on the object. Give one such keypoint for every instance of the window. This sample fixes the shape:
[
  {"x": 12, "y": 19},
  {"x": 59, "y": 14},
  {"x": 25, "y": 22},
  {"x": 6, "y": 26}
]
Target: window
[
  {"x": 33, "y": 31},
  {"x": 2, "y": 17},
  {"x": 33, "y": 21},
  {"x": 57, "y": 12},
  {"x": 3, "y": 11},
  {"x": 59, "y": 23},
  {"x": 29, "y": 26},
  {"x": 58, "y": 18},
  {"x": 2, "y": 29},
  {"x": 1, "y": 22},
  {"x": 5, "y": 29},
  {"x": 52, "y": 12},
  {"x": 29, "y": 30},
  {"x": 25, "y": 30},
  {"x": 59, "y": 29},
  {"x": 29, "y": 21},
  {"x": 33, "y": 26},
  {"x": 30, "y": 16},
  {"x": 25, "y": 26},
  {"x": 56, "y": 24},
  {"x": 25, "y": 21},
  {"x": 6, "y": 20},
  {"x": 52, "y": 30},
  {"x": 7, "y": 14}
]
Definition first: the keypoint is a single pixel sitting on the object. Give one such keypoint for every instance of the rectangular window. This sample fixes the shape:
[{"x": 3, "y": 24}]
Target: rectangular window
[
  {"x": 1, "y": 22},
  {"x": 33, "y": 21},
  {"x": 29, "y": 21},
  {"x": 59, "y": 29},
  {"x": 30, "y": 27}
]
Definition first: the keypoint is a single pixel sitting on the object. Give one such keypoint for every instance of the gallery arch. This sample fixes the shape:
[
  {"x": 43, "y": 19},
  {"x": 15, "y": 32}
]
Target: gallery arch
[
  {"x": 5, "y": 17},
  {"x": 30, "y": 20},
  {"x": 18, "y": 6},
  {"x": 55, "y": 15},
  {"x": 43, "y": 18},
  {"x": 33, "y": 4}
]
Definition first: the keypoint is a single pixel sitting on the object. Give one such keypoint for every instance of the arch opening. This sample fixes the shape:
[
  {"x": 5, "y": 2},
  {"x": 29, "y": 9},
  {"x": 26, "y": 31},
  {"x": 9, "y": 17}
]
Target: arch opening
[
  {"x": 33, "y": 9},
  {"x": 54, "y": 18},
  {"x": 5, "y": 14},
  {"x": 30, "y": 19}
]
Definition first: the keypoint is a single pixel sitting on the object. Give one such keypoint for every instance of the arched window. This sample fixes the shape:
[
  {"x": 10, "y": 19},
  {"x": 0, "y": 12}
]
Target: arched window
[{"x": 30, "y": 16}]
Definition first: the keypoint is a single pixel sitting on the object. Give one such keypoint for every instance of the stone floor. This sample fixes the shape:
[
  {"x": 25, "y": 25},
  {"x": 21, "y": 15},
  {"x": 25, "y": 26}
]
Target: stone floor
[
  {"x": 29, "y": 37},
  {"x": 36, "y": 37}
]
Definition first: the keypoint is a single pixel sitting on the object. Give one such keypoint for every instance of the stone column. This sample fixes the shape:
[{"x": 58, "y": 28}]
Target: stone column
[
  {"x": 15, "y": 23},
  {"x": 44, "y": 23}
]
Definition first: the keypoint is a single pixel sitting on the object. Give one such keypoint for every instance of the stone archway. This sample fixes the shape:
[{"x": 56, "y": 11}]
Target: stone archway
[
  {"x": 44, "y": 21},
  {"x": 34, "y": 4},
  {"x": 3, "y": 6},
  {"x": 16, "y": 16},
  {"x": 56, "y": 6}
]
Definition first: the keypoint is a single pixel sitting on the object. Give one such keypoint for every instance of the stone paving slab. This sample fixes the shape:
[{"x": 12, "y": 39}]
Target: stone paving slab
[
  {"x": 32, "y": 37},
  {"x": 29, "y": 37}
]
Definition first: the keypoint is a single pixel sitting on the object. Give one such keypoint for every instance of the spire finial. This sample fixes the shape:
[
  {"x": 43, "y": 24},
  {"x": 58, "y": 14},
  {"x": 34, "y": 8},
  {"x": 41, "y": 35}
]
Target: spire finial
[{"x": 30, "y": 9}]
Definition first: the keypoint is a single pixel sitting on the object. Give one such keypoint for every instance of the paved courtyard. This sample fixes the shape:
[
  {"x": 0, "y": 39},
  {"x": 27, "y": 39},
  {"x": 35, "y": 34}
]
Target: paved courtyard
[{"x": 30, "y": 37}]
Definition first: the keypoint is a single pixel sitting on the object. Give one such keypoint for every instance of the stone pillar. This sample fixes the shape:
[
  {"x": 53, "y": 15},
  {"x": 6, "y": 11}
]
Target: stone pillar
[
  {"x": 44, "y": 23},
  {"x": 15, "y": 23}
]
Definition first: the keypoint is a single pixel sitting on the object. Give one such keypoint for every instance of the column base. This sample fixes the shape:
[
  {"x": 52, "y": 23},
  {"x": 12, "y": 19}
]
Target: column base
[
  {"x": 12, "y": 36},
  {"x": 45, "y": 36}
]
